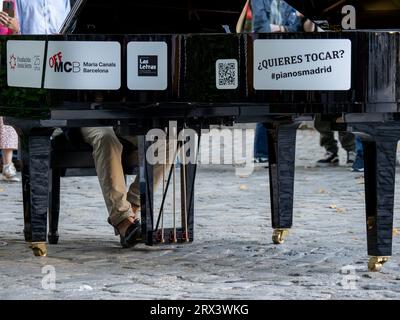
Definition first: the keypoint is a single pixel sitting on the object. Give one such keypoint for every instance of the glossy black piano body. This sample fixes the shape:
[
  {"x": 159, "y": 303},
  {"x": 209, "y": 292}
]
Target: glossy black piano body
[{"x": 191, "y": 97}]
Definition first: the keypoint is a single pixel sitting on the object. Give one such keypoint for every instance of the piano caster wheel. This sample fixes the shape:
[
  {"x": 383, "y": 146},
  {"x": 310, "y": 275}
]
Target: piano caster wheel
[
  {"x": 375, "y": 264},
  {"x": 39, "y": 249},
  {"x": 279, "y": 235}
]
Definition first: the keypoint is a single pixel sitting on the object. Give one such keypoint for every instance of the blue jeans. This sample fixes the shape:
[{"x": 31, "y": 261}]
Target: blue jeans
[
  {"x": 260, "y": 142},
  {"x": 359, "y": 147}
]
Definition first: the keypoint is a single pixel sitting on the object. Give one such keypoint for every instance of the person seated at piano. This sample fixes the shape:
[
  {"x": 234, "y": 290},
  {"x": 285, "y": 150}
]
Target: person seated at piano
[
  {"x": 270, "y": 16},
  {"x": 39, "y": 17},
  {"x": 8, "y": 137},
  {"x": 123, "y": 207}
]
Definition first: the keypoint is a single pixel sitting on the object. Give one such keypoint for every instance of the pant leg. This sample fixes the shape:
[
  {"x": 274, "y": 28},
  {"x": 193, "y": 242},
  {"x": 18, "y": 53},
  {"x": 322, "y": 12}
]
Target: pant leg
[
  {"x": 260, "y": 142},
  {"x": 107, "y": 151},
  {"x": 359, "y": 147},
  {"x": 134, "y": 189},
  {"x": 327, "y": 137},
  {"x": 347, "y": 140}
]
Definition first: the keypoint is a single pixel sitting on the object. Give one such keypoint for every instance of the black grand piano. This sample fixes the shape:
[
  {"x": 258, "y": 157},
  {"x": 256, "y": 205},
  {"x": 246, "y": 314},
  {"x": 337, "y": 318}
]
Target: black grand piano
[{"x": 157, "y": 61}]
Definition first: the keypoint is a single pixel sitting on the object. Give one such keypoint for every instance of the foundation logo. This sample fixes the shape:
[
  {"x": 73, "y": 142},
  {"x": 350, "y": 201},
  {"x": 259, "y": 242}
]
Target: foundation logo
[
  {"x": 27, "y": 63},
  {"x": 148, "y": 66},
  {"x": 58, "y": 65},
  {"x": 13, "y": 62}
]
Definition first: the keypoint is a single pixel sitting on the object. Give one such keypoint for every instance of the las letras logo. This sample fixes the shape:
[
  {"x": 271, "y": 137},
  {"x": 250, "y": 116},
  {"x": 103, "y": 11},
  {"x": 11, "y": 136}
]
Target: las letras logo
[{"x": 148, "y": 66}]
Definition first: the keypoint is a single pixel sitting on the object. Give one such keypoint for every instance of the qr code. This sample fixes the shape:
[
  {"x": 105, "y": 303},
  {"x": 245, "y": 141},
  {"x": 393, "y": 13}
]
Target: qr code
[{"x": 227, "y": 74}]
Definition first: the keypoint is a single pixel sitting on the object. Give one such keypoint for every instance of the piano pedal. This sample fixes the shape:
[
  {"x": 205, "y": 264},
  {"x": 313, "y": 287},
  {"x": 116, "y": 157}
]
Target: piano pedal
[
  {"x": 375, "y": 264},
  {"x": 181, "y": 237},
  {"x": 159, "y": 237},
  {"x": 172, "y": 237},
  {"x": 279, "y": 235},
  {"x": 39, "y": 249},
  {"x": 185, "y": 237}
]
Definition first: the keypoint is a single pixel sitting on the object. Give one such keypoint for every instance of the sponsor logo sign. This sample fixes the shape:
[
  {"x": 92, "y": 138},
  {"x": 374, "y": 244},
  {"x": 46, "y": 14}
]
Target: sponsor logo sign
[
  {"x": 284, "y": 64},
  {"x": 147, "y": 65},
  {"x": 25, "y": 63},
  {"x": 83, "y": 65}
]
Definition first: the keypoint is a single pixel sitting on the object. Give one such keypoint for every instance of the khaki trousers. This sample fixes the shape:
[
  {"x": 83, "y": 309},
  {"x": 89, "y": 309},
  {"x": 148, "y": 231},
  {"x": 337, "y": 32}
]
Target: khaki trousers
[{"x": 107, "y": 151}]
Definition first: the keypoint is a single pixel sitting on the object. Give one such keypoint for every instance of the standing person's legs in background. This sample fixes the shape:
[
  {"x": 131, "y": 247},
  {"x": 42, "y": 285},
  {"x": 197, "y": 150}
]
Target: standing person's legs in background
[
  {"x": 348, "y": 142},
  {"x": 261, "y": 144},
  {"x": 358, "y": 165},
  {"x": 8, "y": 143},
  {"x": 327, "y": 141},
  {"x": 16, "y": 160}
]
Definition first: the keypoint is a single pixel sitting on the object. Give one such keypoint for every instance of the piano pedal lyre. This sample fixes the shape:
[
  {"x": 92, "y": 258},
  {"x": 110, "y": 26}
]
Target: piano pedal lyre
[
  {"x": 178, "y": 233},
  {"x": 279, "y": 235}
]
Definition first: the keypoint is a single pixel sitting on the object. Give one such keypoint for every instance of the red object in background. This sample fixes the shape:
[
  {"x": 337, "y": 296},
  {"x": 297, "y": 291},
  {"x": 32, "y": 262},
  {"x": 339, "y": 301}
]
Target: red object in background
[
  {"x": 249, "y": 14},
  {"x": 4, "y": 30}
]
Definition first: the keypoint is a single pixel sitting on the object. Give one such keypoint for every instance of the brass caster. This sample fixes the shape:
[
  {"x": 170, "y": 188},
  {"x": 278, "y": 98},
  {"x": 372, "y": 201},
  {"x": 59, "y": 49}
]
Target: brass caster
[
  {"x": 39, "y": 249},
  {"x": 279, "y": 235},
  {"x": 375, "y": 264}
]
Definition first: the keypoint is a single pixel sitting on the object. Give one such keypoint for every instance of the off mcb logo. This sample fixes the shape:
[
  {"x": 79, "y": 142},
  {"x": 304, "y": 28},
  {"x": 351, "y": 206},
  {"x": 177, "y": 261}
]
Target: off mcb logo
[{"x": 56, "y": 62}]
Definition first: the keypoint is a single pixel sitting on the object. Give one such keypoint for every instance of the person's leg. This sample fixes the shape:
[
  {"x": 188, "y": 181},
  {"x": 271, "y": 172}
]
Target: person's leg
[
  {"x": 260, "y": 142},
  {"x": 358, "y": 165},
  {"x": 347, "y": 140},
  {"x": 159, "y": 171},
  {"x": 328, "y": 142},
  {"x": 107, "y": 152},
  {"x": 327, "y": 137},
  {"x": 8, "y": 143},
  {"x": 7, "y": 156}
]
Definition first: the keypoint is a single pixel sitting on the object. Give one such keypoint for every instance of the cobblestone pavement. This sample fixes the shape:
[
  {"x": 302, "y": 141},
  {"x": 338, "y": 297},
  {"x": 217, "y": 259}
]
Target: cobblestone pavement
[{"x": 232, "y": 256}]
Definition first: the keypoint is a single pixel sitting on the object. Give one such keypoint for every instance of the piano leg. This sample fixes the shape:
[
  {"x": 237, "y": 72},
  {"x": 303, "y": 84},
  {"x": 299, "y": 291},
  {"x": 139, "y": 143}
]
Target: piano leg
[
  {"x": 35, "y": 149},
  {"x": 146, "y": 191},
  {"x": 282, "y": 151},
  {"x": 380, "y": 146},
  {"x": 54, "y": 206},
  {"x": 190, "y": 172}
]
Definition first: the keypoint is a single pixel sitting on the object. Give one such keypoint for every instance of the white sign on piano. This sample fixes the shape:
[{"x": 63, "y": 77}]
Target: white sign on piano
[
  {"x": 83, "y": 65},
  {"x": 309, "y": 64},
  {"x": 147, "y": 65},
  {"x": 25, "y": 63}
]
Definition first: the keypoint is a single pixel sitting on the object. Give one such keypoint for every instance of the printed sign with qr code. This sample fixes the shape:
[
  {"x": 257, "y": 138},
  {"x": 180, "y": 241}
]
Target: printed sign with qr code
[{"x": 227, "y": 74}]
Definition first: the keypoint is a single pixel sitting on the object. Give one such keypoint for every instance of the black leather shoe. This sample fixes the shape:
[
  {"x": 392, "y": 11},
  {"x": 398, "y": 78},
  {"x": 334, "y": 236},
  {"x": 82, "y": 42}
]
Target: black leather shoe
[{"x": 132, "y": 235}]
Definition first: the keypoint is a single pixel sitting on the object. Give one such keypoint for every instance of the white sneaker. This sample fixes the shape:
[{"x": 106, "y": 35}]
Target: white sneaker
[{"x": 9, "y": 173}]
